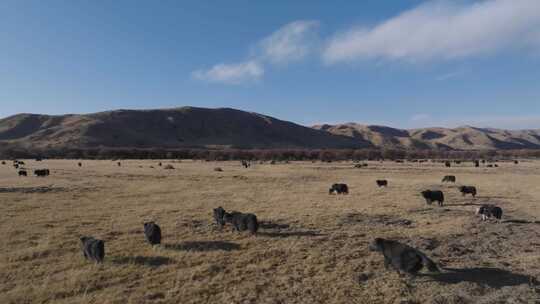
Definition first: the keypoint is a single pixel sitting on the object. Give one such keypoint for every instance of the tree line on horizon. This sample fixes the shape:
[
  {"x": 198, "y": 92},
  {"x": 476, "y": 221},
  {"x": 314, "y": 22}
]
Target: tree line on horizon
[{"x": 266, "y": 154}]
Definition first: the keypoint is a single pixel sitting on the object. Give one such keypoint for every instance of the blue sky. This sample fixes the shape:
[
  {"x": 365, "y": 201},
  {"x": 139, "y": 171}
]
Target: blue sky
[{"x": 402, "y": 63}]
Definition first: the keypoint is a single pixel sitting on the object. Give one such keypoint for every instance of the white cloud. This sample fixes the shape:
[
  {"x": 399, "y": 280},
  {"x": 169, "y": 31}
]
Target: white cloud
[
  {"x": 289, "y": 43},
  {"x": 451, "y": 75},
  {"x": 235, "y": 73},
  {"x": 292, "y": 42},
  {"x": 442, "y": 30},
  {"x": 420, "y": 117}
]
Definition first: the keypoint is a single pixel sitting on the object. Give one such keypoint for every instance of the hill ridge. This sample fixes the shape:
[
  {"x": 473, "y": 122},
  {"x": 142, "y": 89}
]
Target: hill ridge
[
  {"x": 165, "y": 128},
  {"x": 459, "y": 138},
  {"x": 225, "y": 127}
]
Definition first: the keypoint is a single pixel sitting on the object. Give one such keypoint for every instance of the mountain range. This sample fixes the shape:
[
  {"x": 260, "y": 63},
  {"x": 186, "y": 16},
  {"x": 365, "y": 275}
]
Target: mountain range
[{"x": 192, "y": 127}]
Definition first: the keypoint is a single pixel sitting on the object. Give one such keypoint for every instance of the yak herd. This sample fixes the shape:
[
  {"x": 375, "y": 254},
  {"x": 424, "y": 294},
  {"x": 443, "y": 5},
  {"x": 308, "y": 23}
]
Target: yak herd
[
  {"x": 19, "y": 165},
  {"x": 403, "y": 258}
]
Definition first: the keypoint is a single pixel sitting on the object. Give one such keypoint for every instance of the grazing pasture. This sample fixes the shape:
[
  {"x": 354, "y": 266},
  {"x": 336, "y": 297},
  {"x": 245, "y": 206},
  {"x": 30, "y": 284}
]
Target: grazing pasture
[{"x": 311, "y": 247}]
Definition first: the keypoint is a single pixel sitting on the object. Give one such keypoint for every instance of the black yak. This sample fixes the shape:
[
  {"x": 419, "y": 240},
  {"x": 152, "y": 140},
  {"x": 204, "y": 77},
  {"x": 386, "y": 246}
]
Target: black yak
[
  {"x": 382, "y": 183},
  {"x": 488, "y": 211},
  {"x": 93, "y": 249},
  {"x": 403, "y": 258},
  {"x": 339, "y": 189},
  {"x": 433, "y": 195},
  {"x": 242, "y": 221},
  {"x": 468, "y": 190},
  {"x": 152, "y": 232}
]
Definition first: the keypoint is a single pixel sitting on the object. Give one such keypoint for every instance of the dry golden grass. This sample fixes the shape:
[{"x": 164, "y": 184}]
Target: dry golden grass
[{"x": 312, "y": 247}]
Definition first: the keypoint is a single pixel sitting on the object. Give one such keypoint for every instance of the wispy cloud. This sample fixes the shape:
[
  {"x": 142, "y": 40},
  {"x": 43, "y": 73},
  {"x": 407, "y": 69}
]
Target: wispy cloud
[
  {"x": 420, "y": 117},
  {"x": 442, "y": 30},
  {"x": 235, "y": 73},
  {"x": 450, "y": 75},
  {"x": 292, "y": 42}
]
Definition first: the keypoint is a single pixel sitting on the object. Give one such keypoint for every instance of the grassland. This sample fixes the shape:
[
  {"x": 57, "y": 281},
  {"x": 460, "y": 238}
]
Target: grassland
[{"x": 312, "y": 247}]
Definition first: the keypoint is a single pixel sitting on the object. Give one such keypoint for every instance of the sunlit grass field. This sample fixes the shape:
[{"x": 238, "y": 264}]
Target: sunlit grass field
[{"x": 312, "y": 247}]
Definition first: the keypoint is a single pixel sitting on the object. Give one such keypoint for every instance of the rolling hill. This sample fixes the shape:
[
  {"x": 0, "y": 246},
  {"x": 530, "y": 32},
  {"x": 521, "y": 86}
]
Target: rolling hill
[
  {"x": 191, "y": 127},
  {"x": 166, "y": 128},
  {"x": 461, "y": 138}
]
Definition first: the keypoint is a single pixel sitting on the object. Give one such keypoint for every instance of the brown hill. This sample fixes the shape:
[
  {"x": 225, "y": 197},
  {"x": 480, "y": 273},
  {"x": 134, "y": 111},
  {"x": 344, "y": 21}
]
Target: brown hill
[
  {"x": 191, "y": 127},
  {"x": 462, "y": 138},
  {"x": 167, "y": 128}
]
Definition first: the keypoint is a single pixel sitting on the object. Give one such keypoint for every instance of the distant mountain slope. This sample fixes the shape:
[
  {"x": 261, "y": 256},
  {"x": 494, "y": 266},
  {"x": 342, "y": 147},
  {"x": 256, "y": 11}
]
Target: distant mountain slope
[
  {"x": 167, "y": 128},
  {"x": 190, "y": 127},
  {"x": 462, "y": 138}
]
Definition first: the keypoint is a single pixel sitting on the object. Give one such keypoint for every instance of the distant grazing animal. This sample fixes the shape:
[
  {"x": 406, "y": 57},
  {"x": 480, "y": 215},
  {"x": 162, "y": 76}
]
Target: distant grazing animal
[
  {"x": 20, "y": 162},
  {"x": 219, "y": 216},
  {"x": 382, "y": 182},
  {"x": 476, "y": 163},
  {"x": 496, "y": 166},
  {"x": 398, "y": 161},
  {"x": 489, "y": 166},
  {"x": 16, "y": 166},
  {"x": 449, "y": 178},
  {"x": 447, "y": 164},
  {"x": 218, "y": 169},
  {"x": 93, "y": 249},
  {"x": 41, "y": 172},
  {"x": 273, "y": 162},
  {"x": 159, "y": 164},
  {"x": 79, "y": 164},
  {"x": 339, "y": 189},
  {"x": 242, "y": 221},
  {"x": 23, "y": 173},
  {"x": 38, "y": 159},
  {"x": 403, "y": 258},
  {"x": 457, "y": 162},
  {"x": 3, "y": 162},
  {"x": 468, "y": 190},
  {"x": 433, "y": 195},
  {"x": 245, "y": 164},
  {"x": 516, "y": 162},
  {"x": 119, "y": 164},
  {"x": 152, "y": 232},
  {"x": 488, "y": 211}
]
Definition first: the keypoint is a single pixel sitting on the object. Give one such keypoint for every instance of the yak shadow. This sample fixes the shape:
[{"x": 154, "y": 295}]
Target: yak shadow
[
  {"x": 154, "y": 261},
  {"x": 517, "y": 221},
  {"x": 203, "y": 246},
  {"x": 286, "y": 234},
  {"x": 439, "y": 210},
  {"x": 492, "y": 277},
  {"x": 495, "y": 197},
  {"x": 270, "y": 225},
  {"x": 463, "y": 204}
]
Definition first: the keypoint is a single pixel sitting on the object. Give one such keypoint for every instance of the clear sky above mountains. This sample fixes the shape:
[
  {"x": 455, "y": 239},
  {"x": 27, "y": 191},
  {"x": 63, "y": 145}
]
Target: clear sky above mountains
[{"x": 398, "y": 63}]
